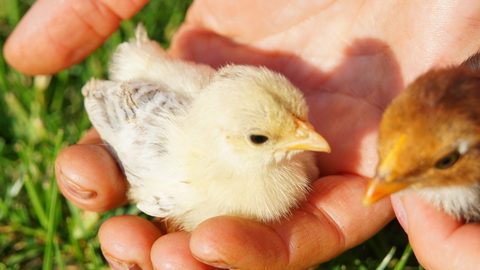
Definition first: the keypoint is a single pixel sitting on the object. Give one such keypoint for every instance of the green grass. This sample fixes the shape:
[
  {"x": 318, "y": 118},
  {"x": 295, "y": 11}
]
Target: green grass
[{"x": 39, "y": 229}]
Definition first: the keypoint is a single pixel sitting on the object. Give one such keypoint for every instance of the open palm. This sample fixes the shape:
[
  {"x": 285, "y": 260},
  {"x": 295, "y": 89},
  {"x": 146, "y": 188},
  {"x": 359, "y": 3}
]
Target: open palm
[{"x": 350, "y": 58}]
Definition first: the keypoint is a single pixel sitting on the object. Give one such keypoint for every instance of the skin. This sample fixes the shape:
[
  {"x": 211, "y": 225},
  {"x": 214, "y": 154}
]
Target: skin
[
  {"x": 342, "y": 54},
  {"x": 438, "y": 240}
]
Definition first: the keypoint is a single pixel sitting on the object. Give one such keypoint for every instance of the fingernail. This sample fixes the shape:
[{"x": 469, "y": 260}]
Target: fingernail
[
  {"x": 75, "y": 189},
  {"x": 120, "y": 265},
  {"x": 217, "y": 264},
  {"x": 400, "y": 212}
]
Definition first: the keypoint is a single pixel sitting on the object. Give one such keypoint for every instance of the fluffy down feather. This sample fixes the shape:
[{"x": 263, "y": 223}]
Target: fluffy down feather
[{"x": 195, "y": 143}]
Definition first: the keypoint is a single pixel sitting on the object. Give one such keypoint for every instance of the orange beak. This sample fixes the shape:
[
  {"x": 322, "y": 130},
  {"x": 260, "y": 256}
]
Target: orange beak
[
  {"x": 378, "y": 189},
  {"x": 306, "y": 138},
  {"x": 384, "y": 183}
]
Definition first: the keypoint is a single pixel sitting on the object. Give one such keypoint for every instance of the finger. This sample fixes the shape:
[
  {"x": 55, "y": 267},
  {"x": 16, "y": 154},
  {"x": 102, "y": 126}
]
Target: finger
[
  {"x": 399, "y": 210},
  {"x": 332, "y": 221},
  {"x": 250, "y": 245},
  {"x": 92, "y": 137},
  {"x": 172, "y": 251},
  {"x": 127, "y": 240},
  {"x": 89, "y": 177},
  {"x": 438, "y": 240},
  {"x": 65, "y": 32}
]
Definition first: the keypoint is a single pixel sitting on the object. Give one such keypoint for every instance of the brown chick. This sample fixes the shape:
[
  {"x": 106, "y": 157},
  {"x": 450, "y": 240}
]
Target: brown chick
[{"x": 430, "y": 142}]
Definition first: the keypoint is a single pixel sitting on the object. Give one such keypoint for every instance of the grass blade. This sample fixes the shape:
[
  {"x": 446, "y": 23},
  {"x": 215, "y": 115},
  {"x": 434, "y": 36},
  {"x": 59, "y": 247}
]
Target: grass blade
[
  {"x": 403, "y": 260},
  {"x": 383, "y": 265}
]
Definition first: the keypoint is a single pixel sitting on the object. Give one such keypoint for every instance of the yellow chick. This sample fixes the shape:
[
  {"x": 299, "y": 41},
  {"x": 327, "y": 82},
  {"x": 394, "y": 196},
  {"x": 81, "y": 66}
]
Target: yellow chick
[
  {"x": 430, "y": 141},
  {"x": 195, "y": 143}
]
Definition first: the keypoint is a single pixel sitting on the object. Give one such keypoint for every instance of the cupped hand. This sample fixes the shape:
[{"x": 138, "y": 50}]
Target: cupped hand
[{"x": 349, "y": 58}]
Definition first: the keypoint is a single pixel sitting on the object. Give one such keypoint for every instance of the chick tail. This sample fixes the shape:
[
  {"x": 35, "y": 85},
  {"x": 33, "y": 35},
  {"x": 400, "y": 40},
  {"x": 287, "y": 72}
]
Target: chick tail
[
  {"x": 141, "y": 35},
  {"x": 144, "y": 60},
  {"x": 136, "y": 59}
]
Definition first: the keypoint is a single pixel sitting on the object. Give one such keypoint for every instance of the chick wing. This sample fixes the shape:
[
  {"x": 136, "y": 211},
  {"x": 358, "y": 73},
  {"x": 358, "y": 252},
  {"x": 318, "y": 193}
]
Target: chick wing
[{"x": 125, "y": 113}]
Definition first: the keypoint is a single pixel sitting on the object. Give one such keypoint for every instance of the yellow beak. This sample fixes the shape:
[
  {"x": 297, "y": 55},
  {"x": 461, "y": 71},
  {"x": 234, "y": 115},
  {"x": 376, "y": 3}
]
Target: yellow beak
[
  {"x": 306, "y": 138},
  {"x": 378, "y": 189}
]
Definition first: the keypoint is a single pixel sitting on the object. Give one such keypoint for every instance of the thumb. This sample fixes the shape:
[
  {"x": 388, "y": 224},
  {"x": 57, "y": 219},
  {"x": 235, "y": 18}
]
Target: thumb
[{"x": 438, "y": 240}]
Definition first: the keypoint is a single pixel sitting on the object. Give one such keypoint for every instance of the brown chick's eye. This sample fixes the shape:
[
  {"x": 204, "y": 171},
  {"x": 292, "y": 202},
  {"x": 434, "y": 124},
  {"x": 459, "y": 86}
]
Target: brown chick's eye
[
  {"x": 448, "y": 160},
  {"x": 258, "y": 139}
]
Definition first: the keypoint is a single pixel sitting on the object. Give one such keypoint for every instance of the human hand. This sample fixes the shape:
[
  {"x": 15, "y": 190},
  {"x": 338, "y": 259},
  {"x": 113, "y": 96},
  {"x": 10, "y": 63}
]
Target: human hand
[
  {"x": 438, "y": 240},
  {"x": 349, "y": 65}
]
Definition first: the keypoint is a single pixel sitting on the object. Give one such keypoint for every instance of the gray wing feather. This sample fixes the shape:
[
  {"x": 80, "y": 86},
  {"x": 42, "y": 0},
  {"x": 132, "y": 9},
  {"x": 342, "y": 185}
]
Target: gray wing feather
[
  {"x": 133, "y": 119},
  {"x": 124, "y": 107}
]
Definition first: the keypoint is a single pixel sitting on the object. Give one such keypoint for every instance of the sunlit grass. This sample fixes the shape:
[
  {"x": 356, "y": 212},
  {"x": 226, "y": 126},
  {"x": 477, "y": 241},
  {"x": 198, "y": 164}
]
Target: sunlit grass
[{"x": 41, "y": 115}]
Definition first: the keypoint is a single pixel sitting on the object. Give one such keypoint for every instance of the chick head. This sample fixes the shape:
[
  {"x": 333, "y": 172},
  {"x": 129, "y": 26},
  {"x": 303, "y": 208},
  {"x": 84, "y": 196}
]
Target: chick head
[
  {"x": 430, "y": 135},
  {"x": 256, "y": 114}
]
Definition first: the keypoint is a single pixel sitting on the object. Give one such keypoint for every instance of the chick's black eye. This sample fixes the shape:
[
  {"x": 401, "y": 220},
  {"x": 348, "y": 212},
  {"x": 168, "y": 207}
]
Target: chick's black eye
[
  {"x": 258, "y": 139},
  {"x": 448, "y": 160}
]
